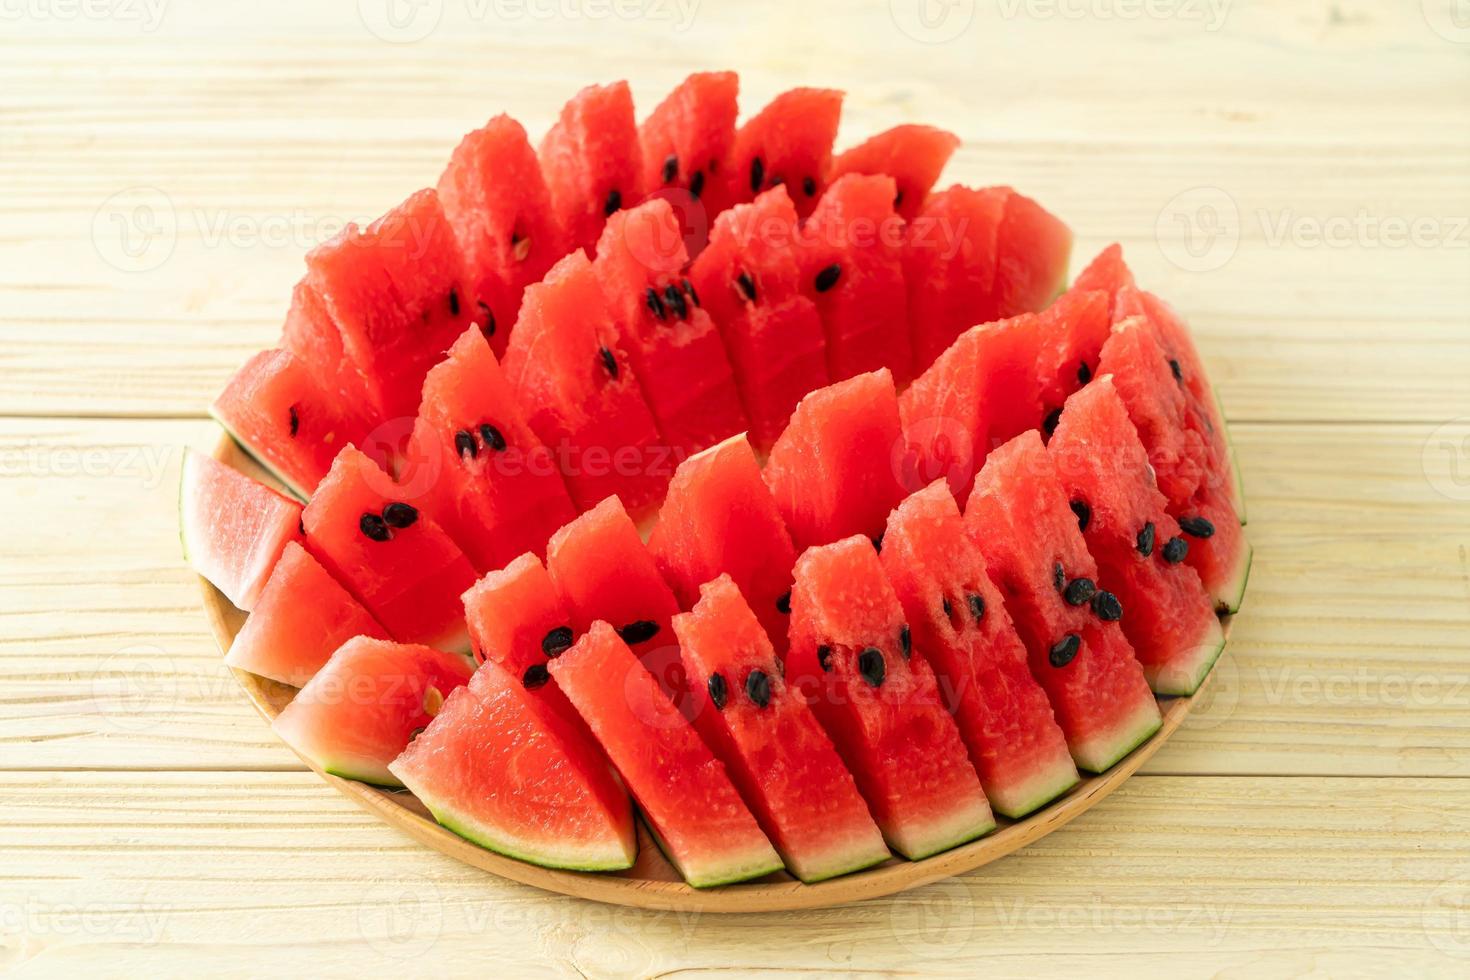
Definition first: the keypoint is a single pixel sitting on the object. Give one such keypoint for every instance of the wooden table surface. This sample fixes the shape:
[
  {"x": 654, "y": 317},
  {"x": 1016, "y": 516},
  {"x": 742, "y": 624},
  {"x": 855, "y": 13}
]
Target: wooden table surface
[{"x": 1294, "y": 176}]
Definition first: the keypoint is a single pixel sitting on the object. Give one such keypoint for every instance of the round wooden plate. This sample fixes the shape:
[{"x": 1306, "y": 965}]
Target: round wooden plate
[{"x": 652, "y": 882}]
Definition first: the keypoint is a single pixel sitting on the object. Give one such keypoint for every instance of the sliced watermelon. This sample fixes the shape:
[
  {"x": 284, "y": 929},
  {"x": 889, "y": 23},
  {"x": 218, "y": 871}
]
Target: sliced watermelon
[
  {"x": 686, "y": 140},
  {"x": 851, "y": 255},
  {"x": 851, "y": 655},
  {"x": 232, "y": 528},
  {"x": 748, "y": 280},
  {"x": 682, "y": 789},
  {"x": 576, "y": 385},
  {"x": 1070, "y": 341},
  {"x": 788, "y": 143},
  {"x": 961, "y": 627},
  {"x": 1105, "y": 472},
  {"x": 497, "y": 202},
  {"x": 913, "y": 155},
  {"x": 771, "y": 743},
  {"x": 480, "y": 471},
  {"x": 302, "y": 617},
  {"x": 517, "y": 617},
  {"x": 1106, "y": 272},
  {"x": 592, "y": 162},
  {"x": 719, "y": 517},
  {"x": 1019, "y": 518},
  {"x": 494, "y": 770},
  {"x": 310, "y": 335},
  {"x": 363, "y": 707},
  {"x": 397, "y": 562},
  {"x": 676, "y": 349},
  {"x": 1033, "y": 249},
  {"x": 831, "y": 472}
]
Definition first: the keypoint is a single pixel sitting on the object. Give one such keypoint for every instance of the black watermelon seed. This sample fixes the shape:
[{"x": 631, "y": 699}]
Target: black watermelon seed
[
  {"x": 1080, "y": 591},
  {"x": 655, "y": 304},
  {"x": 758, "y": 688},
  {"x": 399, "y": 514},
  {"x": 608, "y": 361},
  {"x": 488, "y": 329},
  {"x": 1083, "y": 512},
  {"x": 824, "y": 658},
  {"x": 1084, "y": 373},
  {"x": 878, "y": 543},
  {"x": 783, "y": 603},
  {"x": 977, "y": 606},
  {"x": 870, "y": 663},
  {"x": 639, "y": 631},
  {"x": 689, "y": 288},
  {"x": 454, "y": 302},
  {"x": 898, "y": 200},
  {"x": 809, "y": 187},
  {"x": 494, "y": 441},
  {"x": 696, "y": 184},
  {"x": 1196, "y": 527},
  {"x": 828, "y": 277},
  {"x": 1146, "y": 540},
  {"x": 905, "y": 641},
  {"x": 374, "y": 527},
  {"x": 1175, "y": 549},
  {"x": 718, "y": 692},
  {"x": 947, "y": 606},
  {"x": 535, "y": 676},
  {"x": 675, "y": 300},
  {"x": 557, "y": 641},
  {"x": 1176, "y": 370},
  {"x": 746, "y": 285},
  {"x": 613, "y": 202},
  {"x": 295, "y": 421},
  {"x": 1053, "y": 418},
  {"x": 671, "y": 168},
  {"x": 414, "y": 735},
  {"x": 1106, "y": 607},
  {"x": 464, "y": 444},
  {"x": 757, "y": 174},
  {"x": 1064, "y": 650},
  {"x": 1058, "y": 576}
]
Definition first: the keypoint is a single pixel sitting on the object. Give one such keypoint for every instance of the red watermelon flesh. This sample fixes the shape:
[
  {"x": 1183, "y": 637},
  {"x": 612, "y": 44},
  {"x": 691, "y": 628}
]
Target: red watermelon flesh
[
  {"x": 675, "y": 347},
  {"x": 396, "y": 291},
  {"x": 498, "y": 773},
  {"x": 720, "y": 517},
  {"x": 302, "y": 617},
  {"x": 788, "y": 143},
  {"x": 312, "y": 338},
  {"x": 480, "y": 471},
  {"x": 603, "y": 571},
  {"x": 395, "y": 561},
  {"x": 851, "y": 255},
  {"x": 772, "y": 745},
  {"x": 961, "y": 627},
  {"x": 232, "y": 528},
  {"x": 1019, "y": 518},
  {"x": 851, "y": 656},
  {"x": 1033, "y": 248},
  {"x": 575, "y": 384},
  {"x": 517, "y": 617},
  {"x": 682, "y": 789},
  {"x": 496, "y": 199},
  {"x": 913, "y": 155},
  {"x": 592, "y": 162},
  {"x": 1104, "y": 469},
  {"x": 949, "y": 267},
  {"x": 831, "y": 472},
  {"x": 1071, "y": 337},
  {"x": 363, "y": 707},
  {"x": 686, "y": 140},
  {"x": 748, "y": 280}
]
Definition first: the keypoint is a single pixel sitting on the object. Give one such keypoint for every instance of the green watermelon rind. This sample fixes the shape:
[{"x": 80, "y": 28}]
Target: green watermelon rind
[
  {"x": 1171, "y": 680},
  {"x": 1016, "y": 802},
  {"x": 259, "y": 458},
  {"x": 345, "y": 771},
  {"x": 716, "y": 879},
  {"x": 1098, "y": 757},
  {"x": 836, "y": 866},
  {"x": 1229, "y": 599},
  {"x": 933, "y": 841}
]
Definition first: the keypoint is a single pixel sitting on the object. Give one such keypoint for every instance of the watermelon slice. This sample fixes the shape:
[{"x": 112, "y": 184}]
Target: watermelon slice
[
  {"x": 684, "y": 792},
  {"x": 851, "y": 254},
  {"x": 748, "y": 280},
  {"x": 851, "y": 655},
  {"x": 497, "y": 202},
  {"x": 576, "y": 386},
  {"x": 719, "y": 517},
  {"x": 302, "y": 617},
  {"x": 395, "y": 561},
  {"x": 676, "y": 349},
  {"x": 310, "y": 335},
  {"x": 771, "y": 743},
  {"x": 500, "y": 773},
  {"x": 483, "y": 474},
  {"x": 961, "y": 627},
  {"x": 365, "y": 704},
  {"x": 831, "y": 471},
  {"x": 592, "y": 162},
  {"x": 517, "y": 617},
  {"x": 232, "y": 528},
  {"x": 913, "y": 155},
  {"x": 1105, "y": 472},
  {"x": 603, "y": 571},
  {"x": 1019, "y": 518},
  {"x": 1033, "y": 249},
  {"x": 686, "y": 140},
  {"x": 788, "y": 143}
]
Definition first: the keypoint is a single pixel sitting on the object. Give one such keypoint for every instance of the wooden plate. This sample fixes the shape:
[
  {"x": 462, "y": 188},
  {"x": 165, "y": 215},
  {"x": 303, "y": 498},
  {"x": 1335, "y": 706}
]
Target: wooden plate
[{"x": 652, "y": 882}]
